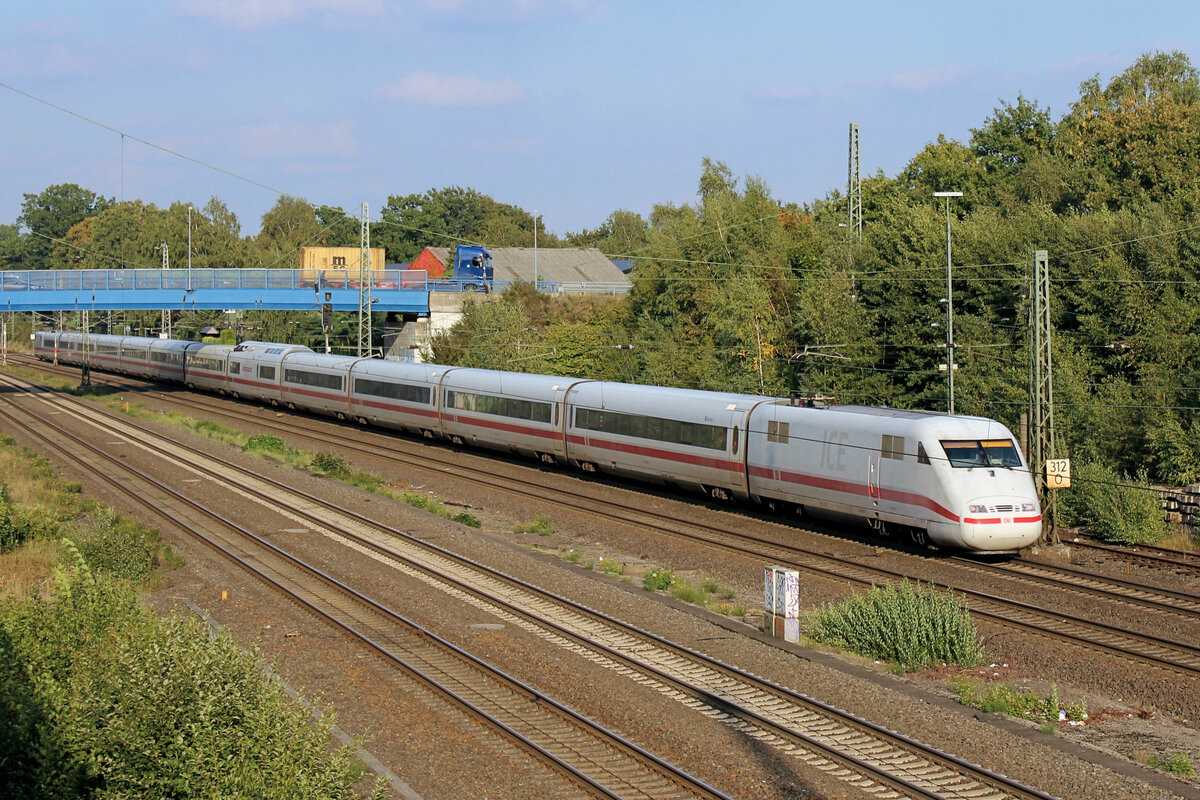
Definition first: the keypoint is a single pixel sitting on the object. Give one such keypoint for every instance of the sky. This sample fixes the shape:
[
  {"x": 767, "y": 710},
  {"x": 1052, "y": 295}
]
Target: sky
[{"x": 572, "y": 108}]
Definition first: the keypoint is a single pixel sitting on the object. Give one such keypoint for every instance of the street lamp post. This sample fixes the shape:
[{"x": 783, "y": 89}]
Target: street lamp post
[
  {"x": 189, "y": 272},
  {"x": 949, "y": 308}
]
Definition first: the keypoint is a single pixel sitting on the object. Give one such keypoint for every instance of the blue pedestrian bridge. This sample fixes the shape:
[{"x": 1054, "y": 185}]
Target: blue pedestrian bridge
[{"x": 404, "y": 291}]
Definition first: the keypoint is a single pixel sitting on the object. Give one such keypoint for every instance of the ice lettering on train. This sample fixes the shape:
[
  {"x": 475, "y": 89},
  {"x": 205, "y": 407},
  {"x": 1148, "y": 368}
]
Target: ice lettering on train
[{"x": 833, "y": 451}]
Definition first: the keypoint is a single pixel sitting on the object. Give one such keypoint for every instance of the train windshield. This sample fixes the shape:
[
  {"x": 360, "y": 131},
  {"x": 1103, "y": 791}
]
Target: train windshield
[{"x": 982, "y": 453}]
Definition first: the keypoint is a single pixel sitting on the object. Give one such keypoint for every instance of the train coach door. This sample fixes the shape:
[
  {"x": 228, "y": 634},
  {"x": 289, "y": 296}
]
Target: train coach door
[{"x": 873, "y": 464}]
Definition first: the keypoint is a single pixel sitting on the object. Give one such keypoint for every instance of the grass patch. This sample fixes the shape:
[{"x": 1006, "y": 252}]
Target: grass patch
[
  {"x": 1178, "y": 764},
  {"x": 435, "y": 505},
  {"x": 574, "y": 556},
  {"x": 912, "y": 625},
  {"x": 540, "y": 525}
]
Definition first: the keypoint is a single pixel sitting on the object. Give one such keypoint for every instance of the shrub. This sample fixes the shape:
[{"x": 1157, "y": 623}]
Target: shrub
[
  {"x": 912, "y": 625},
  {"x": 268, "y": 443},
  {"x": 1115, "y": 508},
  {"x": 125, "y": 704},
  {"x": 117, "y": 545},
  {"x": 19, "y": 525},
  {"x": 330, "y": 464},
  {"x": 468, "y": 519}
]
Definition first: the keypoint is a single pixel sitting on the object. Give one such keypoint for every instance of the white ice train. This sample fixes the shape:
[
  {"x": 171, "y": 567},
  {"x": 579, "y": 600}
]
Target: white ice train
[{"x": 958, "y": 482}]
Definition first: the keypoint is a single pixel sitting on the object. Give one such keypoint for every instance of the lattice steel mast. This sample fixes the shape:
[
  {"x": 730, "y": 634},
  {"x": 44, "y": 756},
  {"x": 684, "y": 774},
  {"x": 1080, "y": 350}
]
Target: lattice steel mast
[
  {"x": 1041, "y": 382},
  {"x": 365, "y": 279},
  {"x": 854, "y": 189}
]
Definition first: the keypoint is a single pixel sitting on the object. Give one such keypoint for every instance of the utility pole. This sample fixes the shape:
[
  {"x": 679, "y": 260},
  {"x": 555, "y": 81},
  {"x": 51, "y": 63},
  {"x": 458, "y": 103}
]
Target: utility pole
[
  {"x": 949, "y": 308},
  {"x": 365, "y": 279},
  {"x": 854, "y": 189},
  {"x": 1041, "y": 386},
  {"x": 166, "y": 314}
]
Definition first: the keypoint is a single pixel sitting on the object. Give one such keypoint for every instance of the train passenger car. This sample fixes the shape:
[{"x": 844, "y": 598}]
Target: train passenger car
[
  {"x": 960, "y": 481},
  {"x": 254, "y": 370},
  {"x": 316, "y": 382},
  {"x": 205, "y": 367},
  {"x": 512, "y": 411},
  {"x": 679, "y": 437},
  {"x": 135, "y": 355},
  {"x": 396, "y": 394},
  {"x": 67, "y": 348},
  {"x": 45, "y": 345},
  {"x": 167, "y": 359}
]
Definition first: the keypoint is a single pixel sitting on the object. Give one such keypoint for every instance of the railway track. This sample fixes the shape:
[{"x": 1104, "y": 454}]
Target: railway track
[
  {"x": 583, "y": 753},
  {"x": 1159, "y": 556},
  {"x": 1179, "y": 656},
  {"x": 864, "y": 754}
]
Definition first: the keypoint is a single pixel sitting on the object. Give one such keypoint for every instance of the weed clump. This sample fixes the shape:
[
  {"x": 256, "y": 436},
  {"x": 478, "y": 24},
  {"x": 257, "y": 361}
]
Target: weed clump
[
  {"x": 911, "y": 625},
  {"x": 1178, "y": 764},
  {"x": 269, "y": 444},
  {"x": 540, "y": 525},
  {"x": 1005, "y": 698}
]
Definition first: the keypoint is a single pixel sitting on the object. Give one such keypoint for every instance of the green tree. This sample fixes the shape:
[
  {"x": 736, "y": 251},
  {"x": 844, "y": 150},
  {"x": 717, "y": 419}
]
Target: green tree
[
  {"x": 1136, "y": 139},
  {"x": 50, "y": 214},
  {"x": 341, "y": 230},
  {"x": 450, "y": 216},
  {"x": 622, "y": 235},
  {"x": 286, "y": 227}
]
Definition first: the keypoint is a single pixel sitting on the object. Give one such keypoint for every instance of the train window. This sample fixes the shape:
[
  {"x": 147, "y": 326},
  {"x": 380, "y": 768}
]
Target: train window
[
  {"x": 982, "y": 453},
  {"x": 266, "y": 373},
  {"x": 201, "y": 362},
  {"x": 777, "y": 431},
  {"x": 321, "y": 380},
  {"x": 394, "y": 391},
  {"x": 499, "y": 406},
  {"x": 893, "y": 447},
  {"x": 694, "y": 434},
  {"x": 735, "y": 439},
  {"x": 922, "y": 456}
]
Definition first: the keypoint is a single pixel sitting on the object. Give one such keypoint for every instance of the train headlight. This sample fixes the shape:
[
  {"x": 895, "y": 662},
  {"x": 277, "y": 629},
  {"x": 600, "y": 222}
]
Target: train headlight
[
  {"x": 1028, "y": 506},
  {"x": 978, "y": 509}
]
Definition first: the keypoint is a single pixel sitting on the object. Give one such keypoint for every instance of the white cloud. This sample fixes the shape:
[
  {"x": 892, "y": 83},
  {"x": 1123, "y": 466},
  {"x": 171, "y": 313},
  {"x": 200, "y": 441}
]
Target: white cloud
[
  {"x": 432, "y": 89},
  {"x": 249, "y": 14}
]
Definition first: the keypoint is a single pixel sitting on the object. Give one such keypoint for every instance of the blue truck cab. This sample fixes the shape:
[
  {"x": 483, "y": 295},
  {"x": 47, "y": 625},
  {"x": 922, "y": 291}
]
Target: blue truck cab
[{"x": 472, "y": 267}]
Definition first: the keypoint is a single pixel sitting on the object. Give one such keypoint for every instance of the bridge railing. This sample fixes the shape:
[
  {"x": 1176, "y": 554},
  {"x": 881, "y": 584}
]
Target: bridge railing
[
  {"x": 197, "y": 279},
  {"x": 192, "y": 279}
]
